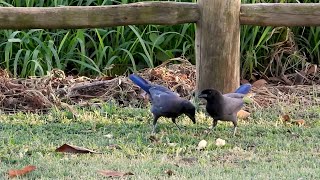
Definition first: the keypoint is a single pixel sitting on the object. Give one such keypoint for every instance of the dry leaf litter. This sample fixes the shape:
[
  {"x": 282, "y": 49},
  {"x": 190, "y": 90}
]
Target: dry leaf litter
[{"x": 38, "y": 94}]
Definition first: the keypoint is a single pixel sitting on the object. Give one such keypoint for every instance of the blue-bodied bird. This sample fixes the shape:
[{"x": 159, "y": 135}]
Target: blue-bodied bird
[{"x": 165, "y": 102}]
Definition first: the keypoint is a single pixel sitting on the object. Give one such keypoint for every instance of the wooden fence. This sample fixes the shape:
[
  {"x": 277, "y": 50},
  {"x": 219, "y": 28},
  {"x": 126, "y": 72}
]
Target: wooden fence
[{"x": 217, "y": 34}]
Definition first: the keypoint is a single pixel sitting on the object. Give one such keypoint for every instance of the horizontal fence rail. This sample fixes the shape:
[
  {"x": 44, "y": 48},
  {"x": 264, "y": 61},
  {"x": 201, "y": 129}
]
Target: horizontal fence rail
[
  {"x": 161, "y": 13},
  {"x": 280, "y": 14}
]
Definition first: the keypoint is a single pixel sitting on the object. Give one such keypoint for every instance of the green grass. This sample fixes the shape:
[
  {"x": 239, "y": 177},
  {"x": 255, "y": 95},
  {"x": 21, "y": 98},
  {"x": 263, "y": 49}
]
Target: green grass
[{"x": 264, "y": 148}]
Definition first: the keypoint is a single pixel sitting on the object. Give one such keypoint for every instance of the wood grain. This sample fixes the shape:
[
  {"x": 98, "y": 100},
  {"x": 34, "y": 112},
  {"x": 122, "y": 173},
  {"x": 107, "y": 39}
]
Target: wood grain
[
  {"x": 280, "y": 14},
  {"x": 218, "y": 45},
  {"x": 159, "y": 13}
]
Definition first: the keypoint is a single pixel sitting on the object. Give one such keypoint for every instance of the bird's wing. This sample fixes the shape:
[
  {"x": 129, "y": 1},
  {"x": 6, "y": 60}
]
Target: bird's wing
[
  {"x": 161, "y": 93},
  {"x": 164, "y": 101},
  {"x": 234, "y": 95},
  {"x": 146, "y": 86},
  {"x": 231, "y": 105},
  {"x": 164, "y": 89}
]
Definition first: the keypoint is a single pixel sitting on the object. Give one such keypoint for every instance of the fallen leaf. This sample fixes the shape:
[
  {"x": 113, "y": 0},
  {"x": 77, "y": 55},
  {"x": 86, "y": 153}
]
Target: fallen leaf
[
  {"x": 20, "y": 172},
  {"x": 109, "y": 173},
  {"x": 259, "y": 83},
  {"x": 73, "y": 149},
  {"x": 299, "y": 122},
  {"x": 169, "y": 172},
  {"x": 220, "y": 142},
  {"x": 242, "y": 114},
  {"x": 286, "y": 118},
  {"x": 202, "y": 144},
  {"x": 312, "y": 69}
]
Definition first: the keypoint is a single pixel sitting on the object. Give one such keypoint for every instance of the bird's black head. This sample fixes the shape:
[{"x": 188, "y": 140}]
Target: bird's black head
[
  {"x": 189, "y": 110},
  {"x": 210, "y": 94}
]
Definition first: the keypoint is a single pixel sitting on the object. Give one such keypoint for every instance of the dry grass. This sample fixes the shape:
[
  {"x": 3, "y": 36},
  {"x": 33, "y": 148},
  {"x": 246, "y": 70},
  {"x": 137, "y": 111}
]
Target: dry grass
[{"x": 58, "y": 90}]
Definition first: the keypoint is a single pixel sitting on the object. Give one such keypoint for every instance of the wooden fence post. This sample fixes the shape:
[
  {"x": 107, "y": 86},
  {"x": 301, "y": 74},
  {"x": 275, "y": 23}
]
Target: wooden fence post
[{"x": 218, "y": 45}]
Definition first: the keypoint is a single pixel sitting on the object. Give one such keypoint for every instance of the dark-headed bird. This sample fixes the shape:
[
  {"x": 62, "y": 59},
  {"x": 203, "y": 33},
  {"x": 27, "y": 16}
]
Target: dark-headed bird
[
  {"x": 165, "y": 102},
  {"x": 224, "y": 107}
]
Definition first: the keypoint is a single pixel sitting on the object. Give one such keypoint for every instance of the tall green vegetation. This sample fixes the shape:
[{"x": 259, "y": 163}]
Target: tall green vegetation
[
  {"x": 128, "y": 48},
  {"x": 276, "y": 50}
]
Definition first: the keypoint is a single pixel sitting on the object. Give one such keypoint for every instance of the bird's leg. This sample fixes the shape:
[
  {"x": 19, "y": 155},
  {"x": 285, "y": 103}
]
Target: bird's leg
[
  {"x": 214, "y": 123},
  {"x": 155, "y": 119},
  {"x": 174, "y": 121},
  {"x": 234, "y": 128}
]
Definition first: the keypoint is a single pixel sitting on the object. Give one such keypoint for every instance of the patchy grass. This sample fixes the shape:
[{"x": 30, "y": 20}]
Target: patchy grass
[{"x": 263, "y": 148}]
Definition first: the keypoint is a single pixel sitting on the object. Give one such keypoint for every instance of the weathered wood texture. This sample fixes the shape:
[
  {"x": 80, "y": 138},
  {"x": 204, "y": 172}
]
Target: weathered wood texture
[
  {"x": 280, "y": 14},
  {"x": 218, "y": 45},
  {"x": 162, "y": 13}
]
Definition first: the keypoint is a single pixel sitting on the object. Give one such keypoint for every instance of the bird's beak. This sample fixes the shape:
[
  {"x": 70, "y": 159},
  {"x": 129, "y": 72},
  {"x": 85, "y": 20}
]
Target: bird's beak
[
  {"x": 202, "y": 96},
  {"x": 193, "y": 119}
]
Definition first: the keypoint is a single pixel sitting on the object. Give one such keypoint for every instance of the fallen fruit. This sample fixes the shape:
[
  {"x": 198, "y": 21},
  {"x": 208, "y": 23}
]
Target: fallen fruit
[
  {"x": 202, "y": 144},
  {"x": 220, "y": 142}
]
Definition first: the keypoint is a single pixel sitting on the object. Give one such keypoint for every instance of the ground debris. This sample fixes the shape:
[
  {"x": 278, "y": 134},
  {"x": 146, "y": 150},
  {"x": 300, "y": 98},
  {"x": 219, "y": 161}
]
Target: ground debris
[{"x": 38, "y": 94}]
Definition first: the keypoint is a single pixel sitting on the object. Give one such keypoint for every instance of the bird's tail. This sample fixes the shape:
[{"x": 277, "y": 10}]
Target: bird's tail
[
  {"x": 142, "y": 83},
  {"x": 244, "y": 89}
]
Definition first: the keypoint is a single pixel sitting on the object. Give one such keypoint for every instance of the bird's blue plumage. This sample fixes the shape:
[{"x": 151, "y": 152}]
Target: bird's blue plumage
[
  {"x": 164, "y": 102},
  {"x": 244, "y": 89},
  {"x": 145, "y": 85},
  {"x": 142, "y": 83}
]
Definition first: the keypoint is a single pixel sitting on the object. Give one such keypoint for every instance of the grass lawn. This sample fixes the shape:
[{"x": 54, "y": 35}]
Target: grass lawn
[{"x": 264, "y": 147}]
